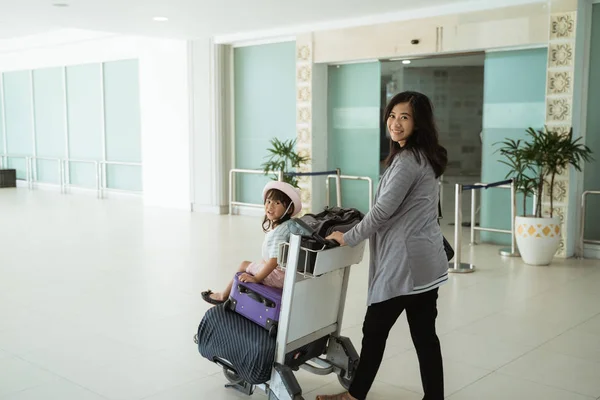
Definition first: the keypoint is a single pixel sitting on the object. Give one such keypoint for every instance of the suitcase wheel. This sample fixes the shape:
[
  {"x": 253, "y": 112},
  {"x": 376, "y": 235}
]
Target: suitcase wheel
[
  {"x": 273, "y": 331},
  {"x": 345, "y": 382},
  {"x": 231, "y": 376}
]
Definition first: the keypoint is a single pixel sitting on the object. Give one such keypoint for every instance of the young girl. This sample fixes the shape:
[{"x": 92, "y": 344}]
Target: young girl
[{"x": 282, "y": 201}]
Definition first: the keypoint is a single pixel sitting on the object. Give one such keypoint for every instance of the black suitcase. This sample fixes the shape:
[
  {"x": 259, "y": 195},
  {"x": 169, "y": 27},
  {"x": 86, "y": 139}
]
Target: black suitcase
[
  {"x": 245, "y": 349},
  {"x": 8, "y": 178}
]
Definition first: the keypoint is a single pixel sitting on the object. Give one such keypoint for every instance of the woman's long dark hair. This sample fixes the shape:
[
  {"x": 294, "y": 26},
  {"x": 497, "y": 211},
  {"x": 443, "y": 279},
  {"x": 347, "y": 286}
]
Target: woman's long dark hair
[
  {"x": 424, "y": 139},
  {"x": 277, "y": 195}
]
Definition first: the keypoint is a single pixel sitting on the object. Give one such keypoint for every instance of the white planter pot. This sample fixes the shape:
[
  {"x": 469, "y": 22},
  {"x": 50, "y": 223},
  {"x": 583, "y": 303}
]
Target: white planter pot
[{"x": 538, "y": 239}]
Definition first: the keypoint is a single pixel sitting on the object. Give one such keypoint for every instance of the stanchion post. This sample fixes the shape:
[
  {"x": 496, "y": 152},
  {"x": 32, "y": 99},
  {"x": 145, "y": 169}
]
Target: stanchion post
[
  {"x": 473, "y": 215},
  {"x": 513, "y": 195},
  {"x": 338, "y": 186},
  {"x": 457, "y": 266},
  {"x": 280, "y": 176},
  {"x": 28, "y": 172},
  {"x": 101, "y": 176},
  {"x": 458, "y": 222},
  {"x": 512, "y": 252},
  {"x": 327, "y": 191},
  {"x": 581, "y": 241},
  {"x": 99, "y": 182},
  {"x": 60, "y": 176},
  {"x": 64, "y": 162}
]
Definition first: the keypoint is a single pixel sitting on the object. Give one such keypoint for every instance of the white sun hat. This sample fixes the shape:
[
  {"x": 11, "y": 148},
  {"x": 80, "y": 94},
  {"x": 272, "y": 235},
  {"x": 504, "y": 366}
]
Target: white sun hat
[{"x": 289, "y": 190}]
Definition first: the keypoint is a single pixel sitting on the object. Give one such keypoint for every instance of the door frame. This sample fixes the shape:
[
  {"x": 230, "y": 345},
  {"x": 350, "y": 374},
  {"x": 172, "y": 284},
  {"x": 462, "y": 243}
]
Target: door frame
[{"x": 582, "y": 64}]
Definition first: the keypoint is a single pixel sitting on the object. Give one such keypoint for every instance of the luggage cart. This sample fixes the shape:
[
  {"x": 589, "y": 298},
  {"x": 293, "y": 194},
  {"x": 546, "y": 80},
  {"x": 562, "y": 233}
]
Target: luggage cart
[{"x": 312, "y": 309}]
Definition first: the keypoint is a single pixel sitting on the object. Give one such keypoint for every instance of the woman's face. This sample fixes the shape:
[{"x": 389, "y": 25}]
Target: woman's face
[{"x": 400, "y": 123}]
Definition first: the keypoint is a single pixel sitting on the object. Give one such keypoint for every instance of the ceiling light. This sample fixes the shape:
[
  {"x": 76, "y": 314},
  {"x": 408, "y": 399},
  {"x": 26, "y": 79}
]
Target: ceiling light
[
  {"x": 60, "y": 5},
  {"x": 399, "y": 59},
  {"x": 160, "y": 19},
  {"x": 405, "y": 61}
]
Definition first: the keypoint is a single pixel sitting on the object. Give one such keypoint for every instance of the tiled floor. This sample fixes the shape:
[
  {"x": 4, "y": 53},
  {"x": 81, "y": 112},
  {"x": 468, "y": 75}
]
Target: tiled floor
[{"x": 100, "y": 299}]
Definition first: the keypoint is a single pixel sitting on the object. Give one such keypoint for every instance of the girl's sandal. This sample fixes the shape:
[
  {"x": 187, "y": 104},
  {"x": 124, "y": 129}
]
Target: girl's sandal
[{"x": 206, "y": 297}]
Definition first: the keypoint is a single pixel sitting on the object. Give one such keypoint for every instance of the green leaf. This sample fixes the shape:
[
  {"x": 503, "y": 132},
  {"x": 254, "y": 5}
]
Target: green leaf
[
  {"x": 280, "y": 156},
  {"x": 545, "y": 154}
]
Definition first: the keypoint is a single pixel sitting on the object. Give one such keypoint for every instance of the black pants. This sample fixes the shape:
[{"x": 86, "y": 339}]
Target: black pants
[{"x": 421, "y": 312}]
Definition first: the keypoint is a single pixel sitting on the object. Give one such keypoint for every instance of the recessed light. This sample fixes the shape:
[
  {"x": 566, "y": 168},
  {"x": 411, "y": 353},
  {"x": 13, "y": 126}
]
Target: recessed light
[
  {"x": 60, "y": 5},
  {"x": 405, "y": 61},
  {"x": 160, "y": 19}
]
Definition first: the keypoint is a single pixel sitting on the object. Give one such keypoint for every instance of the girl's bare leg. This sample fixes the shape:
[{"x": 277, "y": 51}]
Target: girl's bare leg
[{"x": 224, "y": 295}]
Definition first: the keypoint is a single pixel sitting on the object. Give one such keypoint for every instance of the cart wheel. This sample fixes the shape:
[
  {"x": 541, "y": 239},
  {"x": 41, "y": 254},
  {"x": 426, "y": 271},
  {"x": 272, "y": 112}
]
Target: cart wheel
[
  {"x": 345, "y": 382},
  {"x": 231, "y": 376},
  {"x": 273, "y": 331}
]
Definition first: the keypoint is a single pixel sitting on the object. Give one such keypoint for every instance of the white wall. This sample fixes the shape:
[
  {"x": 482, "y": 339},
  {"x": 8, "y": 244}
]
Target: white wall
[
  {"x": 212, "y": 130},
  {"x": 165, "y": 115},
  {"x": 204, "y": 197},
  {"x": 164, "y": 97}
]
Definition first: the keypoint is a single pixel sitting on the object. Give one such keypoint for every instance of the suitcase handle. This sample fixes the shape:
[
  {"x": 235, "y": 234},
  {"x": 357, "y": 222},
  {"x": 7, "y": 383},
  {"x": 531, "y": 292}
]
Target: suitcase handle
[{"x": 254, "y": 296}]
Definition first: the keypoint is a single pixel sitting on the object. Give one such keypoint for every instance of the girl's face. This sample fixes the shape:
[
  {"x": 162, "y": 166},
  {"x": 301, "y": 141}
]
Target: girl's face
[
  {"x": 400, "y": 123},
  {"x": 274, "y": 209}
]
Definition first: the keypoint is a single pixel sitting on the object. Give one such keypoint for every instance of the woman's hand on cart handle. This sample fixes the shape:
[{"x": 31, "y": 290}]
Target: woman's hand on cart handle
[{"x": 338, "y": 237}]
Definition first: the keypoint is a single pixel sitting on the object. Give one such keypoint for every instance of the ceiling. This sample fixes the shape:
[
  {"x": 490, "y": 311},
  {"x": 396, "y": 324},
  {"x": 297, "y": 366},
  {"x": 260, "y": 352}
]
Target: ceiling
[{"x": 201, "y": 18}]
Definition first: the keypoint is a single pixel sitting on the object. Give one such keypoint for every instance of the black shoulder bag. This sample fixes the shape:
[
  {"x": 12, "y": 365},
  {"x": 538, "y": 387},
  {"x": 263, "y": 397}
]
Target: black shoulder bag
[{"x": 447, "y": 247}]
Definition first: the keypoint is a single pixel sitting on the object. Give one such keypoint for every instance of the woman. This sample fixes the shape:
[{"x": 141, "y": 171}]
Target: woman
[{"x": 407, "y": 258}]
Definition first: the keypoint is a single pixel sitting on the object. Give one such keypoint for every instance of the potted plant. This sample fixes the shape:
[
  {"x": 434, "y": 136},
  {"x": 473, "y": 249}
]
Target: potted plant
[
  {"x": 283, "y": 157},
  {"x": 534, "y": 164},
  {"x": 519, "y": 169}
]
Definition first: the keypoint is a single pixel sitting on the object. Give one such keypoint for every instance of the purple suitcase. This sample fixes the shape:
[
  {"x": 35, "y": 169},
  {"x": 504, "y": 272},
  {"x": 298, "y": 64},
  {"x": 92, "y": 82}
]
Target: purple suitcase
[{"x": 257, "y": 302}]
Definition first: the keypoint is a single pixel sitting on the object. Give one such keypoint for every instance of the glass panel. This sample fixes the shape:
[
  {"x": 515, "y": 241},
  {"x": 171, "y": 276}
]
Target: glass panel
[
  {"x": 1, "y": 120},
  {"x": 50, "y": 124},
  {"x": 514, "y": 100},
  {"x": 122, "y": 111},
  {"x": 19, "y": 118},
  {"x": 83, "y": 174},
  {"x": 354, "y": 111},
  {"x": 84, "y": 104},
  {"x": 48, "y": 172},
  {"x": 265, "y": 107},
  {"x": 124, "y": 177},
  {"x": 592, "y": 135}
]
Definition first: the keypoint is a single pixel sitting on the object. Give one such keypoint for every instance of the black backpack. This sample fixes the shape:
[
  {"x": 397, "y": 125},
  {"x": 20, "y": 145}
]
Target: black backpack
[
  {"x": 315, "y": 227},
  {"x": 330, "y": 220}
]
